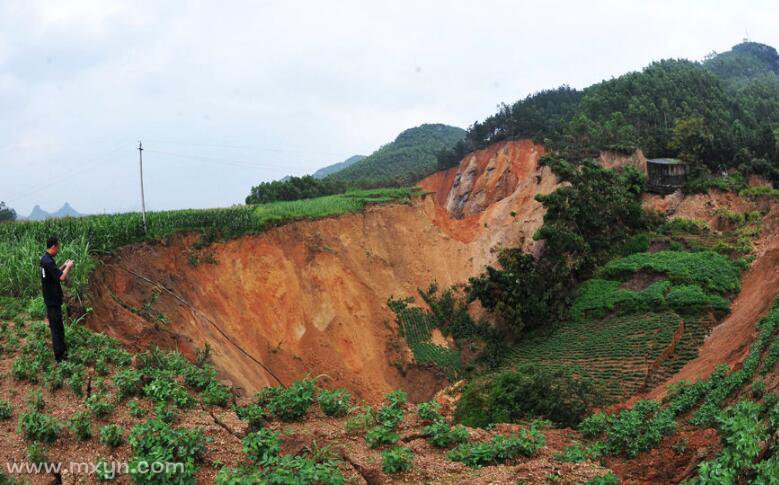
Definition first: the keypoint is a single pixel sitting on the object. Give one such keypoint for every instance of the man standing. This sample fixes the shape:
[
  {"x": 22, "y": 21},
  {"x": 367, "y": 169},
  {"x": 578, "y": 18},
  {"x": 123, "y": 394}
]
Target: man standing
[{"x": 51, "y": 277}]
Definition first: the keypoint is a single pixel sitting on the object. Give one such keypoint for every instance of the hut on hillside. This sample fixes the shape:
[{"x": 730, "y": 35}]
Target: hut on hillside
[{"x": 665, "y": 175}]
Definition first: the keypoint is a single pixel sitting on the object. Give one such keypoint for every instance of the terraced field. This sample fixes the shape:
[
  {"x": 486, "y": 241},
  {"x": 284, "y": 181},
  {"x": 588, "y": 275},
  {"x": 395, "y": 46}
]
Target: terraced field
[{"x": 416, "y": 326}]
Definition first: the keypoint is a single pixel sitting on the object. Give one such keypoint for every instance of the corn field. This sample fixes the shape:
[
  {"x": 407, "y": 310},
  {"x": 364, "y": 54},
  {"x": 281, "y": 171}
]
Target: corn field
[{"x": 83, "y": 238}]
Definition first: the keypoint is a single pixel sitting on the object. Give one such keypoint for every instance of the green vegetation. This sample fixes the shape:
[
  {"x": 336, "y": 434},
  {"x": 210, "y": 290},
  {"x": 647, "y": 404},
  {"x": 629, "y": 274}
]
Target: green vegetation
[
  {"x": 527, "y": 392},
  {"x": 707, "y": 269},
  {"x": 500, "y": 450},
  {"x": 334, "y": 403},
  {"x": 295, "y": 188},
  {"x": 290, "y": 404},
  {"x": 406, "y": 160},
  {"x": 6, "y": 213},
  {"x": 21, "y": 243},
  {"x": 585, "y": 220},
  {"x": 155, "y": 441},
  {"x": 397, "y": 459},
  {"x": 721, "y": 113},
  {"x": 111, "y": 435}
]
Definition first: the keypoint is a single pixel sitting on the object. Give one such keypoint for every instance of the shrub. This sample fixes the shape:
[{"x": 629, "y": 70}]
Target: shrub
[
  {"x": 499, "y": 450},
  {"x": 100, "y": 405},
  {"x": 36, "y": 453},
  {"x": 595, "y": 425},
  {"x": 155, "y": 441},
  {"x": 334, "y": 403},
  {"x": 292, "y": 404},
  {"x": 39, "y": 427},
  {"x": 6, "y": 410},
  {"x": 262, "y": 447},
  {"x": 607, "y": 479},
  {"x": 254, "y": 414},
  {"x": 35, "y": 400},
  {"x": 397, "y": 459},
  {"x": 577, "y": 453},
  {"x": 163, "y": 388},
  {"x": 128, "y": 382},
  {"x": 527, "y": 392},
  {"x": 381, "y": 435},
  {"x": 429, "y": 411},
  {"x": 441, "y": 435},
  {"x": 632, "y": 431},
  {"x": 135, "y": 408},
  {"x": 389, "y": 416},
  {"x": 216, "y": 394},
  {"x": 112, "y": 435},
  {"x": 81, "y": 425}
]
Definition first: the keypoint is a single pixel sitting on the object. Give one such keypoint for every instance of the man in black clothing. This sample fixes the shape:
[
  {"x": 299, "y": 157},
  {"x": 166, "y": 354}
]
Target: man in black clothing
[{"x": 51, "y": 277}]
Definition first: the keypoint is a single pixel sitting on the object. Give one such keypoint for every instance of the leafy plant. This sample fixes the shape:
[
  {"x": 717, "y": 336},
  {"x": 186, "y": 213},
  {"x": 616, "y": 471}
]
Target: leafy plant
[
  {"x": 39, "y": 427},
  {"x": 156, "y": 442},
  {"x": 6, "y": 410},
  {"x": 397, "y": 459},
  {"x": 334, "y": 403},
  {"x": 292, "y": 404},
  {"x": 441, "y": 435},
  {"x": 381, "y": 435},
  {"x": 262, "y": 447},
  {"x": 429, "y": 411},
  {"x": 111, "y": 435},
  {"x": 81, "y": 425},
  {"x": 254, "y": 414}
]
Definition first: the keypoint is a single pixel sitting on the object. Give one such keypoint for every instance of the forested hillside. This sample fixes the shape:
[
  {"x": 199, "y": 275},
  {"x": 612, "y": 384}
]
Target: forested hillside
[
  {"x": 331, "y": 169},
  {"x": 404, "y": 161},
  {"x": 723, "y": 112},
  {"x": 407, "y": 159}
]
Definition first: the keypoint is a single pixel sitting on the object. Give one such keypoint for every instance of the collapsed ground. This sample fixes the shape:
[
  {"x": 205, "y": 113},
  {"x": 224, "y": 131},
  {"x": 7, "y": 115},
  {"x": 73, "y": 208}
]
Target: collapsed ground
[{"x": 617, "y": 337}]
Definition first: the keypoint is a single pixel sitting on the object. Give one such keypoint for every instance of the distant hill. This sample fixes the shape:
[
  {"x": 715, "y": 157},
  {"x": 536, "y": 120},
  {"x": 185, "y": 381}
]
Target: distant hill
[
  {"x": 337, "y": 167},
  {"x": 406, "y": 160},
  {"x": 743, "y": 62},
  {"x": 39, "y": 214}
]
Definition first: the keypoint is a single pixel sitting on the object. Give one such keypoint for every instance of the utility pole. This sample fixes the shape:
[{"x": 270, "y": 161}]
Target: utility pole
[{"x": 143, "y": 198}]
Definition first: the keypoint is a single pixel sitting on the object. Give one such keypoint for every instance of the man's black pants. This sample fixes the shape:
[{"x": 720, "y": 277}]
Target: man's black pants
[{"x": 54, "y": 312}]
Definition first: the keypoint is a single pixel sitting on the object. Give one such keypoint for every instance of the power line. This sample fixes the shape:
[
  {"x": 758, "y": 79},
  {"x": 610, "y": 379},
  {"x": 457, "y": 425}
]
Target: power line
[
  {"x": 222, "y": 161},
  {"x": 243, "y": 147}
]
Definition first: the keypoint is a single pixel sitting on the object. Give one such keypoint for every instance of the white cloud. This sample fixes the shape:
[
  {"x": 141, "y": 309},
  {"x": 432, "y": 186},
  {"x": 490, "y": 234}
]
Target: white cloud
[{"x": 318, "y": 80}]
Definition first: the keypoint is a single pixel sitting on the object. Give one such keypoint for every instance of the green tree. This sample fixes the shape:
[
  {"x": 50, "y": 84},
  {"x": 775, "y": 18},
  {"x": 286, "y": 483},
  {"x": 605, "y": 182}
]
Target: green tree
[
  {"x": 692, "y": 139},
  {"x": 6, "y": 213}
]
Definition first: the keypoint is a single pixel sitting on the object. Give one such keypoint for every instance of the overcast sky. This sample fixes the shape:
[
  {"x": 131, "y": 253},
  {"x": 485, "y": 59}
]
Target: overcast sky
[{"x": 227, "y": 94}]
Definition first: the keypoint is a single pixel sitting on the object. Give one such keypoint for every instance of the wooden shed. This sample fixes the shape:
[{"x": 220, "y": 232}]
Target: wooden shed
[{"x": 665, "y": 175}]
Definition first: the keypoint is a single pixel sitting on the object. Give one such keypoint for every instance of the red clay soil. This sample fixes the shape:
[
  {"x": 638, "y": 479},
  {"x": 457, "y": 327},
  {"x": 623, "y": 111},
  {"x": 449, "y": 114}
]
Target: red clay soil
[
  {"x": 673, "y": 461},
  {"x": 310, "y": 297}
]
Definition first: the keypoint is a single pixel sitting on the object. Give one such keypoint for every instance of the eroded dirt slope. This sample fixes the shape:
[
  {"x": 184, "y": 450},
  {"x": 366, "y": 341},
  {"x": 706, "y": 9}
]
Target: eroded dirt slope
[{"x": 310, "y": 297}]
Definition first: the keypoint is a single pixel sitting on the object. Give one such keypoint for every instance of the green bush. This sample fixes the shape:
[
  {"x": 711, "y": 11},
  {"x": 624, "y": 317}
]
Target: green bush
[
  {"x": 631, "y": 431},
  {"x": 381, "y": 435},
  {"x": 135, "y": 408},
  {"x": 128, "y": 383},
  {"x": 441, "y": 435},
  {"x": 501, "y": 449},
  {"x": 81, "y": 425},
  {"x": 39, "y": 427},
  {"x": 291, "y": 404},
  {"x": 216, "y": 394},
  {"x": 111, "y": 435},
  {"x": 607, "y": 479},
  {"x": 253, "y": 414},
  {"x": 397, "y": 459},
  {"x": 527, "y": 392},
  {"x": 334, "y": 403},
  {"x": 429, "y": 411},
  {"x": 262, "y": 447},
  {"x": 155, "y": 441},
  {"x": 37, "y": 453},
  {"x": 6, "y": 410},
  {"x": 100, "y": 405}
]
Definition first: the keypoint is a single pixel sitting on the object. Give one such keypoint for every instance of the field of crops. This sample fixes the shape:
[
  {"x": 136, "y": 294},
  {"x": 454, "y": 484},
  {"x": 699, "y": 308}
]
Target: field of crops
[
  {"x": 616, "y": 333},
  {"x": 22, "y": 243},
  {"x": 416, "y": 326}
]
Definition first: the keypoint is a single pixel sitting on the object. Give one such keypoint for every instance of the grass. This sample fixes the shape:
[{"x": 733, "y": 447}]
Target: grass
[
  {"x": 83, "y": 238},
  {"x": 416, "y": 326},
  {"x": 614, "y": 352},
  {"x": 708, "y": 269}
]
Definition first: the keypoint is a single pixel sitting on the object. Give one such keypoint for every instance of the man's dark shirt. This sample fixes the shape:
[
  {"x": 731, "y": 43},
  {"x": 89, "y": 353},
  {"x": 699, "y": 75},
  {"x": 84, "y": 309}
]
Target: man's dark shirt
[{"x": 50, "y": 280}]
